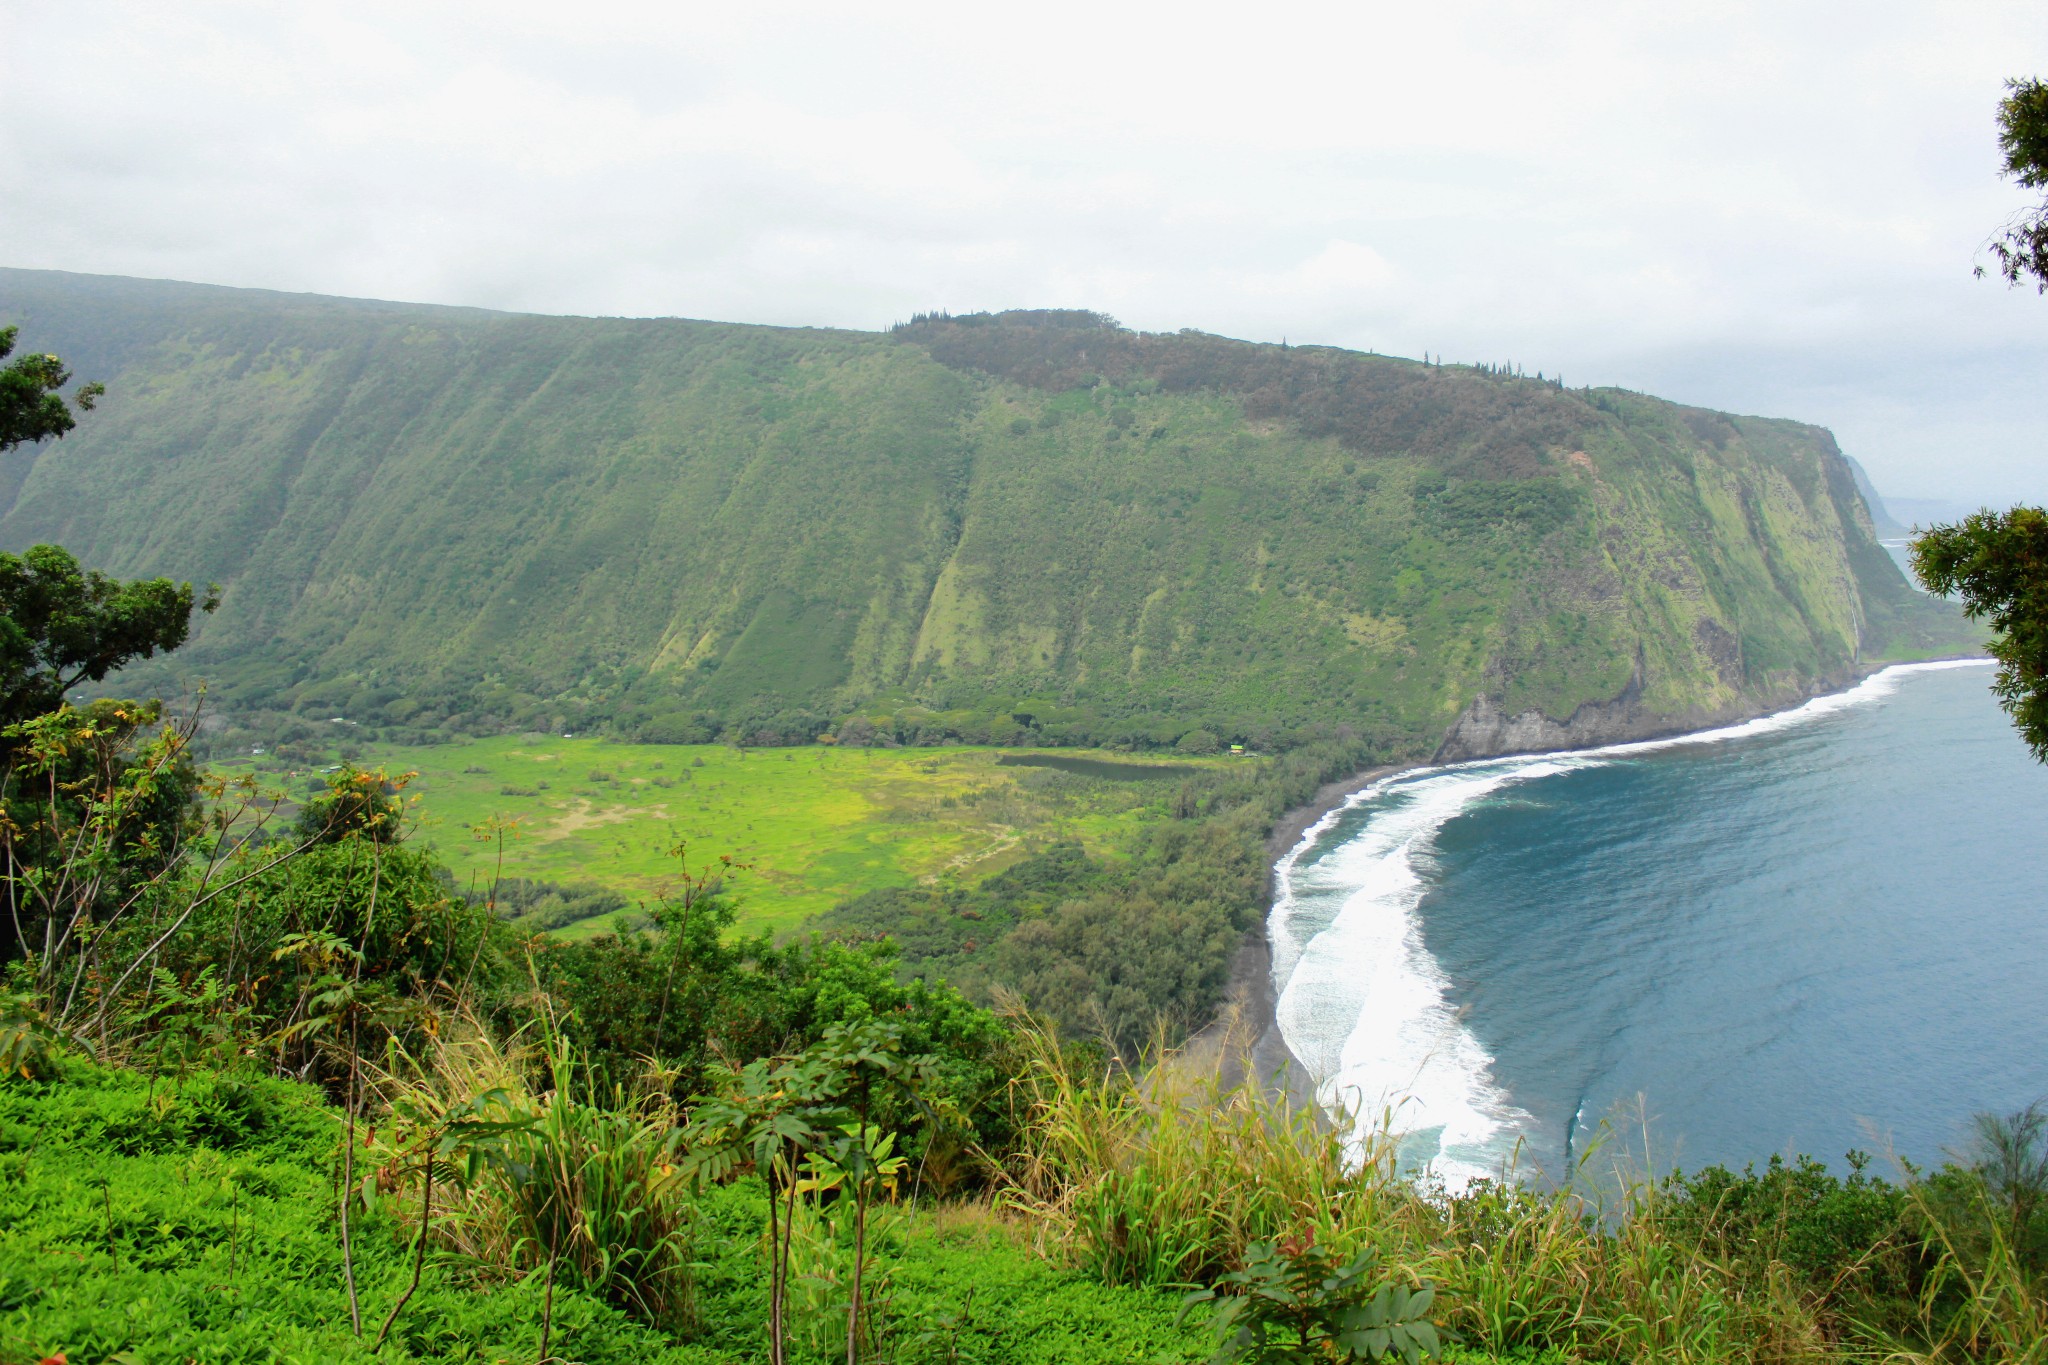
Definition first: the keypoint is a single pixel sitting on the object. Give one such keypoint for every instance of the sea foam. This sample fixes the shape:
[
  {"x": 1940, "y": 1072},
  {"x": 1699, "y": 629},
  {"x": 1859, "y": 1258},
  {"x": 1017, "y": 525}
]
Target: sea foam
[{"x": 1363, "y": 1005}]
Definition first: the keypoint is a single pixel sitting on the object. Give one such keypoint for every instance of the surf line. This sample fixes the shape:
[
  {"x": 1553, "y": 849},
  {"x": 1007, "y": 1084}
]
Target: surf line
[{"x": 1360, "y": 1001}]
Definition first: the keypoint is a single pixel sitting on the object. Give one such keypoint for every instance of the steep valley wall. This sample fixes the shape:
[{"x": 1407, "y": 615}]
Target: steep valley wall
[{"x": 1021, "y": 528}]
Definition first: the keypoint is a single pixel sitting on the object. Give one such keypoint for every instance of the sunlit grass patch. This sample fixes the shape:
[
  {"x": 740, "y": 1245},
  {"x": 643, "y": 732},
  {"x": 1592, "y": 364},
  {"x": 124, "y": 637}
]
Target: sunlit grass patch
[{"x": 815, "y": 825}]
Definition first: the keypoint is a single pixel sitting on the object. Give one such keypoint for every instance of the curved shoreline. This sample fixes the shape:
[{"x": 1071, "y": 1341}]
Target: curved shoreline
[
  {"x": 1252, "y": 996},
  {"x": 1288, "y": 830}
]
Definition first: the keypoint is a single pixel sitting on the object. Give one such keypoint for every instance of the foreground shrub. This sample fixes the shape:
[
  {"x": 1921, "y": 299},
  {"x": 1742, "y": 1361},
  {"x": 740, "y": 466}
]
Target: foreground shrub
[
  {"x": 1172, "y": 1182},
  {"x": 1983, "y": 1232},
  {"x": 1294, "y": 1301},
  {"x": 194, "y": 1219},
  {"x": 578, "y": 1190}
]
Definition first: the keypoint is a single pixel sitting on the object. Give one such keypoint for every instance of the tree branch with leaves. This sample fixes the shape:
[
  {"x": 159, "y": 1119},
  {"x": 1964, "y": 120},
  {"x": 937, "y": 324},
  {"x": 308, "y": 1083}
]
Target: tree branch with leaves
[
  {"x": 32, "y": 406},
  {"x": 1997, "y": 563},
  {"x": 2021, "y": 248}
]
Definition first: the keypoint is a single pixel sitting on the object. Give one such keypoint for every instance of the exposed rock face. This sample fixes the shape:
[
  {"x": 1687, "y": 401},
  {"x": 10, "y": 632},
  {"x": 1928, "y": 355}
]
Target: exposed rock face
[
  {"x": 1485, "y": 731},
  {"x": 1722, "y": 647}
]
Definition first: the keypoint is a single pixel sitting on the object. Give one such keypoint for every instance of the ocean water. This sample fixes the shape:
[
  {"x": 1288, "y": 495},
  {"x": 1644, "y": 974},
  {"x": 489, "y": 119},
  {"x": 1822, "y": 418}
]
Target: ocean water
[{"x": 1819, "y": 931}]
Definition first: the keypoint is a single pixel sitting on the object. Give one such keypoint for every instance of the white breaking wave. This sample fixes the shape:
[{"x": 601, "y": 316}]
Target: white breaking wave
[
  {"x": 1364, "y": 1006},
  {"x": 1366, "y": 1009},
  {"x": 1877, "y": 686}
]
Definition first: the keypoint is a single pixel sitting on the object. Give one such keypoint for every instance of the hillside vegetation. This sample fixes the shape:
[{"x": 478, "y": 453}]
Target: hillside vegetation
[
  {"x": 276, "y": 1085},
  {"x": 294, "y": 1100},
  {"x": 1026, "y": 528}
]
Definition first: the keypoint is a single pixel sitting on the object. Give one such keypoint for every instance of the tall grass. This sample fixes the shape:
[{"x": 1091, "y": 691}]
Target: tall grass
[
  {"x": 1168, "y": 1182},
  {"x": 1996, "y": 1298},
  {"x": 1167, "y": 1178},
  {"x": 585, "y": 1190}
]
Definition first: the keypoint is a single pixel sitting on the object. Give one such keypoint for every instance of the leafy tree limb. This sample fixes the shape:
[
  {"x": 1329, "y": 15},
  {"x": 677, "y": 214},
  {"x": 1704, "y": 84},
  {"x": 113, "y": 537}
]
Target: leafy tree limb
[
  {"x": 2022, "y": 248},
  {"x": 32, "y": 408},
  {"x": 1997, "y": 562},
  {"x": 61, "y": 625}
]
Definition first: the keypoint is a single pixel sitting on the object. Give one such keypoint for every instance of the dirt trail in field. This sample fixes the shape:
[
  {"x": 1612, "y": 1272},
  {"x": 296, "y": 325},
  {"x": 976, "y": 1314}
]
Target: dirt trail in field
[{"x": 583, "y": 815}]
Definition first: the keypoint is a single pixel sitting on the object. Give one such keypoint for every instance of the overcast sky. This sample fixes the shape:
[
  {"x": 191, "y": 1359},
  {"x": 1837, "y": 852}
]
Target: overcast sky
[{"x": 1772, "y": 208}]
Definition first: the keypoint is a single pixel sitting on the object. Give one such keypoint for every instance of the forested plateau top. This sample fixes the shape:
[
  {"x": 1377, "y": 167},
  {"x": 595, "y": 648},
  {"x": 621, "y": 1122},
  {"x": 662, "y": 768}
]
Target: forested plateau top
[{"x": 1026, "y": 527}]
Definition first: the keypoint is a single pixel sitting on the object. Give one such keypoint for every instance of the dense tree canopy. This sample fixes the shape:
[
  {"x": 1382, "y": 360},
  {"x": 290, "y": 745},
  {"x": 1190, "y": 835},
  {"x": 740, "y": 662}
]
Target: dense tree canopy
[
  {"x": 95, "y": 801},
  {"x": 31, "y": 406},
  {"x": 1997, "y": 562},
  {"x": 2022, "y": 249},
  {"x": 61, "y": 625}
]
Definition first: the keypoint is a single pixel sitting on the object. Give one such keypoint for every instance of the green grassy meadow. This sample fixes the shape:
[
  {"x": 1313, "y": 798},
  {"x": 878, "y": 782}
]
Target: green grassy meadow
[{"x": 815, "y": 825}]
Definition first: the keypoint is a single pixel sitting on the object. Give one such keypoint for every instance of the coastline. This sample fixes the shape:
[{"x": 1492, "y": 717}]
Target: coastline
[
  {"x": 1244, "y": 1041},
  {"x": 1250, "y": 1015},
  {"x": 1287, "y": 831}
]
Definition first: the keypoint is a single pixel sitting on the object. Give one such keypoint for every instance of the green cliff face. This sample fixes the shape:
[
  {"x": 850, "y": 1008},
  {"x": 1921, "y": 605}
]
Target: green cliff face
[{"x": 1033, "y": 526}]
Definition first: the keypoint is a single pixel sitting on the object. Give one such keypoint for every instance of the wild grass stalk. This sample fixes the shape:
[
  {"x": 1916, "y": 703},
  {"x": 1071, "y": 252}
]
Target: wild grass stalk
[
  {"x": 583, "y": 1190},
  {"x": 827, "y": 1267},
  {"x": 1992, "y": 1304},
  {"x": 1169, "y": 1181},
  {"x": 1168, "y": 1178}
]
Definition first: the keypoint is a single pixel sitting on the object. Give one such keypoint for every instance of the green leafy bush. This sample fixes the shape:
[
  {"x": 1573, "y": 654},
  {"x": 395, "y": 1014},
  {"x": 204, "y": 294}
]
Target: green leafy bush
[
  {"x": 1796, "y": 1214},
  {"x": 1294, "y": 1302}
]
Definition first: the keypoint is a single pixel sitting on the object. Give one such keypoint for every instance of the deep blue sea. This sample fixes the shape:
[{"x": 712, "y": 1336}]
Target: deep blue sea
[{"x": 1819, "y": 931}]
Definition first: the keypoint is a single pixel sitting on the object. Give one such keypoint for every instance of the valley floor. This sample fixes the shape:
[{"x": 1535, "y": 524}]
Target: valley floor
[{"x": 813, "y": 826}]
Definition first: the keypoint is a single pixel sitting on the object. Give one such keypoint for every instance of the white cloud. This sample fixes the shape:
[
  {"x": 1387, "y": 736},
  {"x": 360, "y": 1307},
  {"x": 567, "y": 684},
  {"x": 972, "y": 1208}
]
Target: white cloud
[{"x": 1767, "y": 207}]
